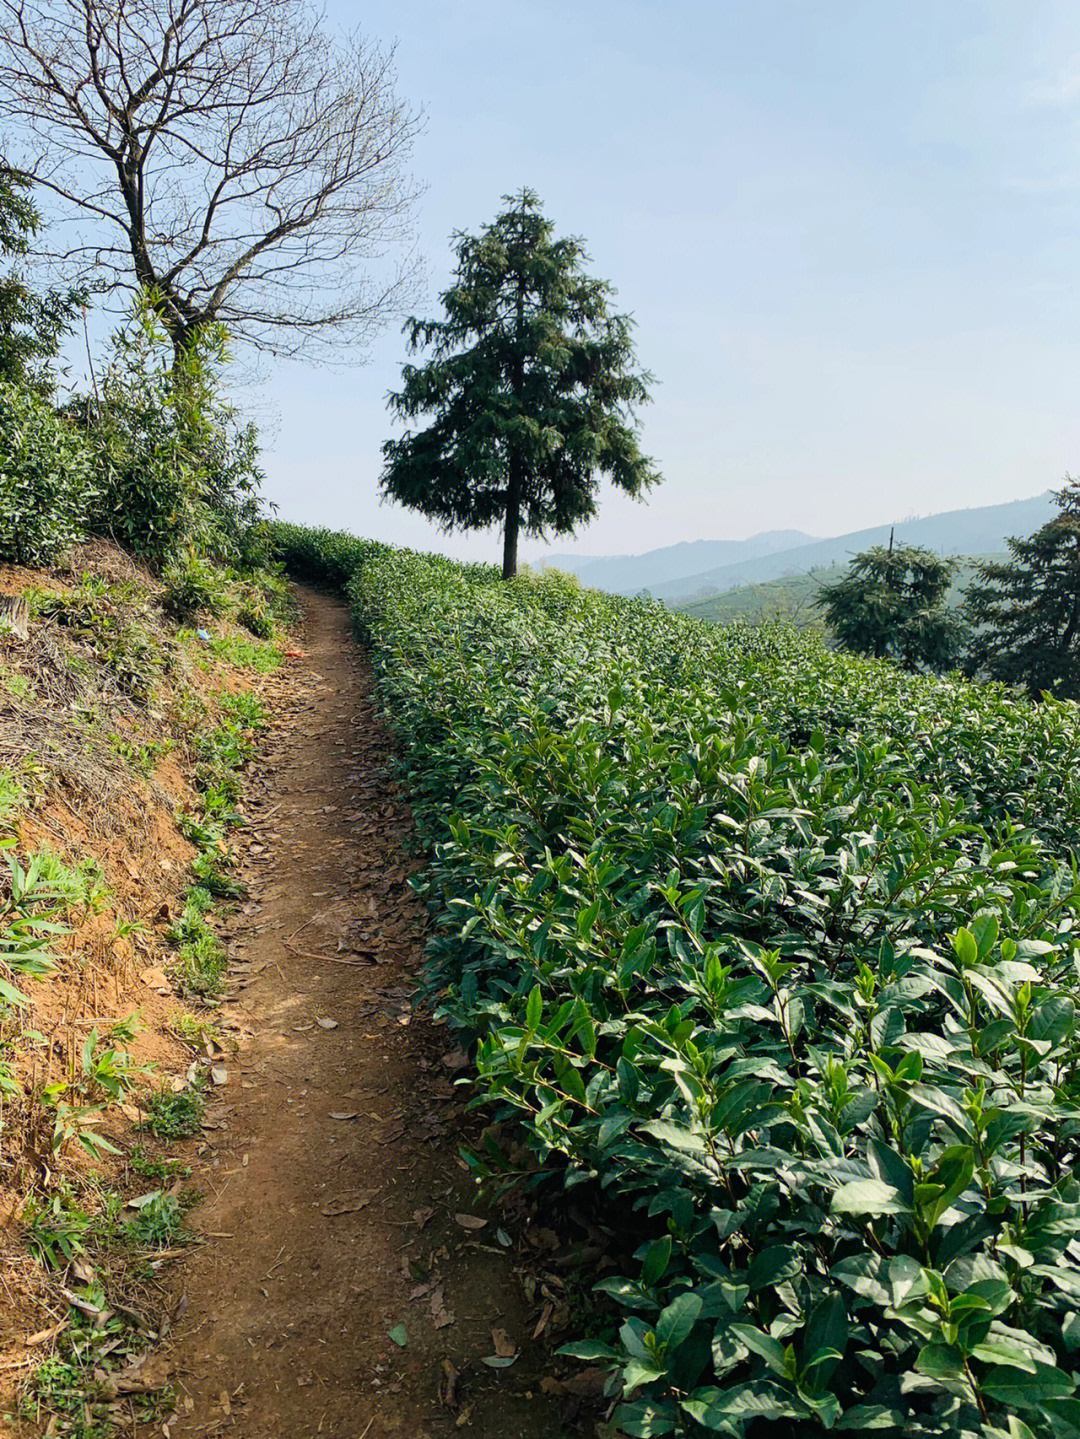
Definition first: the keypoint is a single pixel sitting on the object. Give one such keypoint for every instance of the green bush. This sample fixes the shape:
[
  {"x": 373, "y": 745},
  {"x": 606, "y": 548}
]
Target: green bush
[
  {"x": 193, "y": 587},
  {"x": 178, "y": 471},
  {"x": 773, "y": 954},
  {"x": 45, "y": 479}
]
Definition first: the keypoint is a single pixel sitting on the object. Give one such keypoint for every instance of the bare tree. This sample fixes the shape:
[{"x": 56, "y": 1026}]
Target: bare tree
[{"x": 228, "y": 156}]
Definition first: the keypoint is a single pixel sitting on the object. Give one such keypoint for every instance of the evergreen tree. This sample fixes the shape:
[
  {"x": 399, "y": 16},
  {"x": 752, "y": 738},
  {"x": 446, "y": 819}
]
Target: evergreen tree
[
  {"x": 891, "y": 603},
  {"x": 1026, "y": 610},
  {"x": 531, "y": 385},
  {"x": 32, "y": 324}
]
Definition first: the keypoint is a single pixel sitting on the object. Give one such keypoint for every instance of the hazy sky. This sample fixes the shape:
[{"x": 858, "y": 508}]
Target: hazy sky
[{"x": 848, "y": 233}]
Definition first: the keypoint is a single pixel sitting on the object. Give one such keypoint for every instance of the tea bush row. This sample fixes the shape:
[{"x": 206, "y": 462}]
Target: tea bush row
[{"x": 774, "y": 951}]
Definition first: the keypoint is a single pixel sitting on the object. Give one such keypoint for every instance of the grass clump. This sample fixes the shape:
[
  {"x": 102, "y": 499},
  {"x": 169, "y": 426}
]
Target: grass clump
[
  {"x": 150, "y": 1166},
  {"x": 12, "y": 797},
  {"x": 175, "y": 1115},
  {"x": 194, "y": 587},
  {"x": 262, "y": 656},
  {"x": 81, "y": 885},
  {"x": 202, "y": 954}
]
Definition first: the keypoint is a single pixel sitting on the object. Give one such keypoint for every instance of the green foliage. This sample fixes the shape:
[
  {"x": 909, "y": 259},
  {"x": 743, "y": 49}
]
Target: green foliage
[
  {"x": 177, "y": 470},
  {"x": 325, "y": 557},
  {"x": 193, "y": 587},
  {"x": 109, "y": 620},
  {"x": 171, "y": 1115},
  {"x": 32, "y": 323},
  {"x": 12, "y": 797},
  {"x": 772, "y": 951},
  {"x": 202, "y": 954},
  {"x": 32, "y": 907},
  {"x": 47, "y": 481},
  {"x": 259, "y": 655},
  {"x": 531, "y": 385},
  {"x": 104, "y": 1074},
  {"x": 892, "y": 603},
  {"x": 1025, "y": 611}
]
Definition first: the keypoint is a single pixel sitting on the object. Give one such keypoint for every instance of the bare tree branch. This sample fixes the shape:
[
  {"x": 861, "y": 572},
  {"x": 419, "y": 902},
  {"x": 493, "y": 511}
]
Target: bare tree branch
[{"x": 250, "y": 168}]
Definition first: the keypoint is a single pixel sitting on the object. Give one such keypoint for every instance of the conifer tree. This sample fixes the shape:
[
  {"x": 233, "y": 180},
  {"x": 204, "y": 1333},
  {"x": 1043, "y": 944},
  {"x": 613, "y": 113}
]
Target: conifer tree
[
  {"x": 1026, "y": 610},
  {"x": 531, "y": 388},
  {"x": 891, "y": 603}
]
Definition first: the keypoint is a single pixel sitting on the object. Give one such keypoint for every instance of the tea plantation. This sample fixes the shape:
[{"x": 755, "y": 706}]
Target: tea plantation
[{"x": 774, "y": 953}]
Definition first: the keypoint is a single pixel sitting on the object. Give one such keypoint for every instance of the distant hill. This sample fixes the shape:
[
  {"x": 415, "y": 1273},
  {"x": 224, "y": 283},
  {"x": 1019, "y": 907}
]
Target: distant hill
[
  {"x": 791, "y": 597},
  {"x": 630, "y": 574},
  {"x": 981, "y": 531}
]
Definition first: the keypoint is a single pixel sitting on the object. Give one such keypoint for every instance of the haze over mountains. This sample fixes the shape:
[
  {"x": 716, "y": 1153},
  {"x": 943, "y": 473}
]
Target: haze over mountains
[
  {"x": 704, "y": 567},
  {"x": 630, "y": 574}
]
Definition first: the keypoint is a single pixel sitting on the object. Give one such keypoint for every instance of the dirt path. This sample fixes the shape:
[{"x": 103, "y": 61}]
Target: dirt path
[{"x": 335, "y": 1183}]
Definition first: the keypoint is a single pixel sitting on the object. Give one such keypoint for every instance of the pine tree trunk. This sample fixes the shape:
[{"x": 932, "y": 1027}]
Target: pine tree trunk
[{"x": 513, "y": 520}]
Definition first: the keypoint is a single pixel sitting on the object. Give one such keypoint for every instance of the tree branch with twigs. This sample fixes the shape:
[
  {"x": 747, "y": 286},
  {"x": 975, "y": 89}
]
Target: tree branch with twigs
[{"x": 235, "y": 161}]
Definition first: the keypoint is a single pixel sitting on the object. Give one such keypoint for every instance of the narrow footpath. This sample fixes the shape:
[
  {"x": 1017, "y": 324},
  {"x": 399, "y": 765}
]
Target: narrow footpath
[{"x": 351, "y": 1284}]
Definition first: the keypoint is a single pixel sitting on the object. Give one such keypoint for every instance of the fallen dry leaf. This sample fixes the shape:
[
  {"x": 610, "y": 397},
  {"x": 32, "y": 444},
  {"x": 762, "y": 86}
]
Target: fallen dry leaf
[
  {"x": 440, "y": 1315},
  {"x": 448, "y": 1391},
  {"x": 422, "y": 1216},
  {"x": 343, "y": 1114},
  {"x": 326, "y": 1023},
  {"x": 470, "y": 1221},
  {"x": 503, "y": 1345},
  {"x": 348, "y": 1203}
]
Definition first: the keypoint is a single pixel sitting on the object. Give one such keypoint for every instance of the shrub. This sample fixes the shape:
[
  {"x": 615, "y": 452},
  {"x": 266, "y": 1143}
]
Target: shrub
[
  {"x": 193, "y": 587},
  {"x": 178, "y": 470},
  {"x": 45, "y": 479}
]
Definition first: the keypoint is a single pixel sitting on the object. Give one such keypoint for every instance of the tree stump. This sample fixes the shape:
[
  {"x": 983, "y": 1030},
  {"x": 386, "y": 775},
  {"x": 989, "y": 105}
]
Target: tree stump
[{"x": 14, "y": 616}]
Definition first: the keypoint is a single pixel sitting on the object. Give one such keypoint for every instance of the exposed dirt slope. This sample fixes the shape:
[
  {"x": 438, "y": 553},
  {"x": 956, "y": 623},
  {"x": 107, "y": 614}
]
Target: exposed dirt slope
[{"x": 336, "y": 1183}]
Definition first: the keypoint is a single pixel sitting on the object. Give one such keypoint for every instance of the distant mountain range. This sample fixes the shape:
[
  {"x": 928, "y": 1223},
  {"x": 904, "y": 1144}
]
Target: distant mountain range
[
  {"x": 630, "y": 574},
  {"x": 702, "y": 568}
]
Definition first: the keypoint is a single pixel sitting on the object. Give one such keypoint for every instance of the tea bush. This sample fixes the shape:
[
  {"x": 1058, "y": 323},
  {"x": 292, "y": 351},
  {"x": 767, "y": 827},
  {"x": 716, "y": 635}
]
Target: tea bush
[{"x": 774, "y": 952}]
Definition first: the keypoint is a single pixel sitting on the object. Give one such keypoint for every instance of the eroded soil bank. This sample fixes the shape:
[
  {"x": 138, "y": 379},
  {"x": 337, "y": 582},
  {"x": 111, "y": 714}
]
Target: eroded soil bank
[{"x": 346, "y": 1287}]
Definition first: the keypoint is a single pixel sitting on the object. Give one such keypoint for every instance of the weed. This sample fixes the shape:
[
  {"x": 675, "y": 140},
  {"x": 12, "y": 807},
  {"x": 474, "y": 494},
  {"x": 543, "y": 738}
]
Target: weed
[
  {"x": 172, "y": 1115},
  {"x": 244, "y": 707},
  {"x": 143, "y": 757},
  {"x": 212, "y": 876},
  {"x": 159, "y": 1222},
  {"x": 106, "y": 1074},
  {"x": 29, "y": 923},
  {"x": 193, "y": 587},
  {"x": 12, "y": 796},
  {"x": 65, "y": 1391},
  {"x": 125, "y": 928},
  {"x": 194, "y": 1030},
  {"x": 77, "y": 886},
  {"x": 260, "y": 656},
  {"x": 17, "y": 685},
  {"x": 166, "y": 1171},
  {"x": 203, "y": 959},
  {"x": 56, "y": 1229}
]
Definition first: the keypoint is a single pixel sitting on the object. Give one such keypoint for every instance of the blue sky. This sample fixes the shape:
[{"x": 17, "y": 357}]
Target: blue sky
[{"x": 848, "y": 233}]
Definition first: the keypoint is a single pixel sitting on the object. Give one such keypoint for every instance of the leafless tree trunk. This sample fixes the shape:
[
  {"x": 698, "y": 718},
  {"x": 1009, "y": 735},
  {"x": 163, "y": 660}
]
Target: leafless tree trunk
[{"x": 227, "y": 156}]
